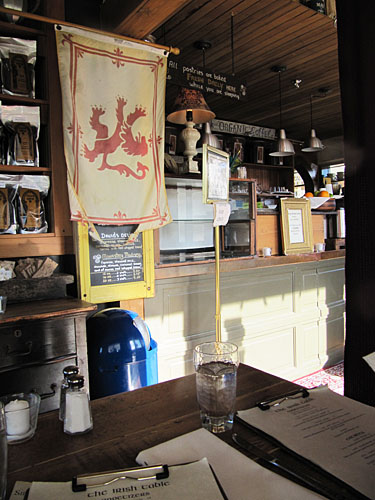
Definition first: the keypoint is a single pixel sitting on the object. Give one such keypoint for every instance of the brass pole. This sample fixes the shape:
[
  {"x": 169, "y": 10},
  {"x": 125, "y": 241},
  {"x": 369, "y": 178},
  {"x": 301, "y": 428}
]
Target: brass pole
[
  {"x": 217, "y": 288},
  {"x": 50, "y": 20}
]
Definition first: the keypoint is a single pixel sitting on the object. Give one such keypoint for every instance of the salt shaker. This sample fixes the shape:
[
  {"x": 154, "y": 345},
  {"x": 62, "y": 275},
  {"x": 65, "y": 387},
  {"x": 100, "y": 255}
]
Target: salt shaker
[
  {"x": 77, "y": 419},
  {"x": 67, "y": 372}
]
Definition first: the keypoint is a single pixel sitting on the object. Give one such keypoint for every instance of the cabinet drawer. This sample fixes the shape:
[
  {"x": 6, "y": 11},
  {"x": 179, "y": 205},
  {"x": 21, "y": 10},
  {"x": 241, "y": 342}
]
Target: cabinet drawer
[
  {"x": 36, "y": 341},
  {"x": 43, "y": 379}
]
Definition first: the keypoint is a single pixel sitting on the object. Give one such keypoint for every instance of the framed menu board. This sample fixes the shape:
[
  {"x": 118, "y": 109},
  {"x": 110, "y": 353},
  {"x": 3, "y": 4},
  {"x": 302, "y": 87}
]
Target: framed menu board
[
  {"x": 114, "y": 270},
  {"x": 215, "y": 175},
  {"x": 296, "y": 226}
]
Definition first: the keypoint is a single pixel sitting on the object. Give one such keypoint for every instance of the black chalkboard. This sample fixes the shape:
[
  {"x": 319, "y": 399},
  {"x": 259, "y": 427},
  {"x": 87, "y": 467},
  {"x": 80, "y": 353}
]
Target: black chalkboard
[
  {"x": 115, "y": 262},
  {"x": 204, "y": 79}
]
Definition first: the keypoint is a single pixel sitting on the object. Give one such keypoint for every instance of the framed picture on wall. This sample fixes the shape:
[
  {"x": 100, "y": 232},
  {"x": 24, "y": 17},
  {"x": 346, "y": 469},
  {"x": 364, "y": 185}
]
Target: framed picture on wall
[
  {"x": 296, "y": 226},
  {"x": 260, "y": 154},
  {"x": 238, "y": 149},
  {"x": 172, "y": 144}
]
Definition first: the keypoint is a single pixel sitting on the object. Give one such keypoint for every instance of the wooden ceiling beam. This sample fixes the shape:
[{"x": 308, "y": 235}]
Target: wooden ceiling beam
[{"x": 138, "y": 18}]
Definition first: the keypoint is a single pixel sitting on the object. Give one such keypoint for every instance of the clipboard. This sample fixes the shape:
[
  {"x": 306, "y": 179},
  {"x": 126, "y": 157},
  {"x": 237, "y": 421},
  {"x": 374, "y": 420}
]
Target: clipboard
[
  {"x": 86, "y": 481},
  {"x": 278, "y": 400},
  {"x": 341, "y": 490},
  {"x": 157, "y": 482}
]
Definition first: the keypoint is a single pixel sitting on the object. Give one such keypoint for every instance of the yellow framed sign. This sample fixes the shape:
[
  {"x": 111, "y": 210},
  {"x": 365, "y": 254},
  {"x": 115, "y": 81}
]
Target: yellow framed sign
[
  {"x": 114, "y": 270},
  {"x": 296, "y": 226}
]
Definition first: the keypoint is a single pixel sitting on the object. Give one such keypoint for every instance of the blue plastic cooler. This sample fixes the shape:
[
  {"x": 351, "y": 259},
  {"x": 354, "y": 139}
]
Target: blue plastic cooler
[{"x": 122, "y": 355}]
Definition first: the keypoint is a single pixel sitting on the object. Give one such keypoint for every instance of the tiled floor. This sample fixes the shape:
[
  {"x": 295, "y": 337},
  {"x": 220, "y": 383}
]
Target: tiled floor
[{"x": 333, "y": 377}]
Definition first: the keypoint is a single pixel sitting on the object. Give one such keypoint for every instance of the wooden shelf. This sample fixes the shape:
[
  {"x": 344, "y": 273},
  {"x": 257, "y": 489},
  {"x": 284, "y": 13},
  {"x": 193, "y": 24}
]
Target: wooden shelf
[
  {"x": 276, "y": 195},
  {"x": 18, "y": 29},
  {"x": 46, "y": 309},
  {"x": 33, "y": 245},
  {"x": 17, "y": 99},
  {"x": 23, "y": 169},
  {"x": 265, "y": 165}
]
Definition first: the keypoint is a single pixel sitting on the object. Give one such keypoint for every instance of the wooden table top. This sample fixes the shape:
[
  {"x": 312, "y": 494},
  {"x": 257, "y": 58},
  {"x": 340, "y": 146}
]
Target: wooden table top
[{"x": 127, "y": 423}]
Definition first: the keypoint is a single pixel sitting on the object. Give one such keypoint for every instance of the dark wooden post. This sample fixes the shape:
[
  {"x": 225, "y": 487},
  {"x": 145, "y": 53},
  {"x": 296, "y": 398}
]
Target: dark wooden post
[{"x": 356, "y": 35}]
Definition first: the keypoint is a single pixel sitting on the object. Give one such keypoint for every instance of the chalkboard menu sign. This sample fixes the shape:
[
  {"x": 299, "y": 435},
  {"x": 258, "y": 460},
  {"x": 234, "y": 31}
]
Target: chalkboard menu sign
[
  {"x": 210, "y": 82},
  {"x": 114, "y": 269},
  {"x": 115, "y": 262}
]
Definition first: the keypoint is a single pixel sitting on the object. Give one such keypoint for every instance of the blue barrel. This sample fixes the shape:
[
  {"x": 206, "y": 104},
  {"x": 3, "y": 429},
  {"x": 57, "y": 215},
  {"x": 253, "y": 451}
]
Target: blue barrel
[{"x": 122, "y": 355}]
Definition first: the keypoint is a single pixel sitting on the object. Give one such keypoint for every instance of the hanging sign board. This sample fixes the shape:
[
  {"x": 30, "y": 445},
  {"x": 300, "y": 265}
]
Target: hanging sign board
[
  {"x": 215, "y": 175},
  {"x": 226, "y": 127},
  {"x": 206, "y": 80},
  {"x": 114, "y": 270}
]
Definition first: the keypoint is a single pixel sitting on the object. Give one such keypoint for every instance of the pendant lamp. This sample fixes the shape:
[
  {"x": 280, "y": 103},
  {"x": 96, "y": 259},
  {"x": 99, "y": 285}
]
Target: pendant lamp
[
  {"x": 284, "y": 145},
  {"x": 314, "y": 144},
  {"x": 190, "y": 108},
  {"x": 208, "y": 137}
]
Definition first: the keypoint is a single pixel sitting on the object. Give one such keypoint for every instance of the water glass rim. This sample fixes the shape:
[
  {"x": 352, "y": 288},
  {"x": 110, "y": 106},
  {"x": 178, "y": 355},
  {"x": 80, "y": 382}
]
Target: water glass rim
[{"x": 199, "y": 349}]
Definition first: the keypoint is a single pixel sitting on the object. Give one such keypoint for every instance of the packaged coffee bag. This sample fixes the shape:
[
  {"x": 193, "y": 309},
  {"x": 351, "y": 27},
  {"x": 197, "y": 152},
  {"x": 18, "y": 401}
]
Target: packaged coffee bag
[
  {"x": 32, "y": 191},
  {"x": 8, "y": 190},
  {"x": 17, "y": 73},
  {"x": 21, "y": 126}
]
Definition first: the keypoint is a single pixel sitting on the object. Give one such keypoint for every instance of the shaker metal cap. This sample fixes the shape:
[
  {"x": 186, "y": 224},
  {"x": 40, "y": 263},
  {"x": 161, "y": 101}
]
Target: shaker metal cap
[
  {"x": 70, "y": 370},
  {"x": 76, "y": 381}
]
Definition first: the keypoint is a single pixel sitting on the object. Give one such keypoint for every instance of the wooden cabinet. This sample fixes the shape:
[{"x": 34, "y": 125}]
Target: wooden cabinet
[
  {"x": 37, "y": 340},
  {"x": 58, "y": 240}
]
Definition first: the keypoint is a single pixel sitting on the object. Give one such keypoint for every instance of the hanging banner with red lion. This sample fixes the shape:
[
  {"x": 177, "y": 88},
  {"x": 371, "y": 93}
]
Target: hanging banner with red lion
[{"x": 113, "y": 96}]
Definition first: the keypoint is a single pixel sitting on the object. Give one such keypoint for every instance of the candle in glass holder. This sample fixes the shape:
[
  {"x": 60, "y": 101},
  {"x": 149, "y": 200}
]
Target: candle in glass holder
[{"x": 17, "y": 414}]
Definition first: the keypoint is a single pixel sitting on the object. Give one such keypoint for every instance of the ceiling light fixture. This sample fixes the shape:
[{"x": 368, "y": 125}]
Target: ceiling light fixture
[
  {"x": 314, "y": 143},
  {"x": 284, "y": 146},
  {"x": 207, "y": 137}
]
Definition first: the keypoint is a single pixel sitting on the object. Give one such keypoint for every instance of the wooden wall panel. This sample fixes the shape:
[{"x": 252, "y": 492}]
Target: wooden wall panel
[{"x": 288, "y": 320}]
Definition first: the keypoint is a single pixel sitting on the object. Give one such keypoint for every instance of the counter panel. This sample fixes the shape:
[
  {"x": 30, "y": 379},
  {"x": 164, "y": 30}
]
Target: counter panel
[{"x": 287, "y": 320}]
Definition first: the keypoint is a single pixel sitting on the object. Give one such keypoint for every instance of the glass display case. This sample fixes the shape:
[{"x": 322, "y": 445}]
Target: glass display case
[
  {"x": 238, "y": 237},
  {"x": 190, "y": 236}
]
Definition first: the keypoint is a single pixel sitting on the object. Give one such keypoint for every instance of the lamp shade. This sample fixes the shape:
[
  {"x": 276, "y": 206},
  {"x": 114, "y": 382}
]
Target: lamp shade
[
  {"x": 315, "y": 144},
  {"x": 284, "y": 146},
  {"x": 190, "y": 99}
]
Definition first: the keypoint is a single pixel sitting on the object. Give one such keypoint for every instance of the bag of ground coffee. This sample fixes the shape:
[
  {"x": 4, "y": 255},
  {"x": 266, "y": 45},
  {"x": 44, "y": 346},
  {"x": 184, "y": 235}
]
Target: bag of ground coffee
[
  {"x": 32, "y": 191},
  {"x": 21, "y": 130},
  {"x": 17, "y": 73},
  {"x": 8, "y": 191}
]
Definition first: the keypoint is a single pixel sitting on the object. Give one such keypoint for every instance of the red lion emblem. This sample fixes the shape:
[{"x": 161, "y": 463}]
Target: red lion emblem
[{"x": 122, "y": 137}]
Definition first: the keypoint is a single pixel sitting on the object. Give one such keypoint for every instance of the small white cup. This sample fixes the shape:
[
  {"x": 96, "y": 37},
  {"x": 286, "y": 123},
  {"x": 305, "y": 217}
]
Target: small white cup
[
  {"x": 267, "y": 252},
  {"x": 319, "y": 247}
]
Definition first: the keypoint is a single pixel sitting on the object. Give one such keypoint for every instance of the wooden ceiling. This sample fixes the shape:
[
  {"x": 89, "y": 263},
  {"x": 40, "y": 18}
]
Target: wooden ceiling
[{"x": 266, "y": 33}]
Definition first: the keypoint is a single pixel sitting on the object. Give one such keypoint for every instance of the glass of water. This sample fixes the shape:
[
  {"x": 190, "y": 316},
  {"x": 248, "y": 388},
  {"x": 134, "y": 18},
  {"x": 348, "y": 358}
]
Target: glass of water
[
  {"x": 216, "y": 366},
  {"x": 3, "y": 453}
]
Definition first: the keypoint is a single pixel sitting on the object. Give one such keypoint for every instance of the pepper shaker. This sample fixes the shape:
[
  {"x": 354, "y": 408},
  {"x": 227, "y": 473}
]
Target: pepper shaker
[
  {"x": 67, "y": 372},
  {"x": 77, "y": 419}
]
